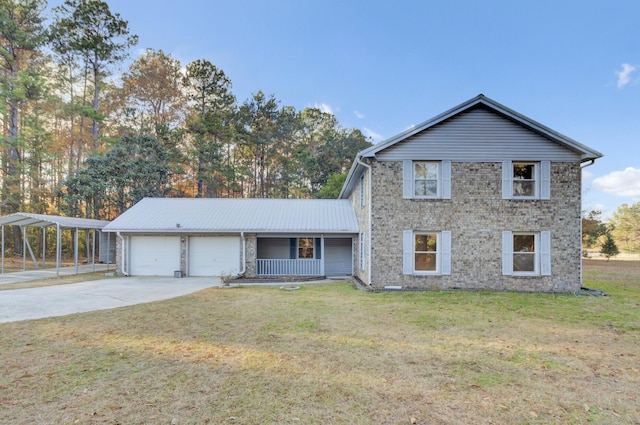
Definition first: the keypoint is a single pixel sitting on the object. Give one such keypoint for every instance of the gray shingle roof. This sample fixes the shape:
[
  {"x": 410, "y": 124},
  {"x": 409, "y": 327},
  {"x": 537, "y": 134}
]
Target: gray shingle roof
[{"x": 224, "y": 215}]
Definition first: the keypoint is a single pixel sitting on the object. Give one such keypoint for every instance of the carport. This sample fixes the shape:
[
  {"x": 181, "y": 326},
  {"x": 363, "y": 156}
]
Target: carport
[{"x": 24, "y": 220}]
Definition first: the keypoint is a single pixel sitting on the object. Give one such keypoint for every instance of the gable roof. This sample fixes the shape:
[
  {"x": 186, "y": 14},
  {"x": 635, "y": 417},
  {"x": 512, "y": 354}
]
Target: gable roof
[
  {"x": 42, "y": 220},
  {"x": 583, "y": 152},
  {"x": 234, "y": 215}
]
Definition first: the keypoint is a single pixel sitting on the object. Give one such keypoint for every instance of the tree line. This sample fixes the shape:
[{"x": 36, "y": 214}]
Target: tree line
[{"x": 81, "y": 138}]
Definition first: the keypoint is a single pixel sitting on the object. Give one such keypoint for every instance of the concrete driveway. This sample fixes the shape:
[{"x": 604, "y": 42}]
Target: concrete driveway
[{"x": 60, "y": 300}]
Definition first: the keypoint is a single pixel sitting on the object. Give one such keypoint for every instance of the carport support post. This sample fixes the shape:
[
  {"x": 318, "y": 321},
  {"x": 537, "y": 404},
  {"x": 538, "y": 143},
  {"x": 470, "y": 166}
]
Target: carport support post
[
  {"x": 58, "y": 251},
  {"x": 93, "y": 251},
  {"x": 44, "y": 246},
  {"x": 24, "y": 248},
  {"x": 75, "y": 248},
  {"x": 3, "y": 249}
]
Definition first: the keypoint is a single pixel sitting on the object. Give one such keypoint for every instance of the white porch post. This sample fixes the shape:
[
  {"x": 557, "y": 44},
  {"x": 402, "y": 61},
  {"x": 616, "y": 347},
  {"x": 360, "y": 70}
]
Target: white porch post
[
  {"x": 93, "y": 252},
  {"x": 44, "y": 247},
  {"x": 322, "y": 255}
]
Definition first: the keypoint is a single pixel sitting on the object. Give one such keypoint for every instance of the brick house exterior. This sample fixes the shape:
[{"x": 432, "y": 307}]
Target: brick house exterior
[{"x": 479, "y": 197}]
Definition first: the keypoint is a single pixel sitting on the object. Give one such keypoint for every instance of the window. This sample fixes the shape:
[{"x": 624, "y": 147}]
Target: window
[
  {"x": 305, "y": 248},
  {"x": 426, "y": 253},
  {"x": 526, "y": 253},
  {"x": 363, "y": 192},
  {"x": 526, "y": 180},
  {"x": 525, "y": 256},
  {"x": 426, "y": 179}
]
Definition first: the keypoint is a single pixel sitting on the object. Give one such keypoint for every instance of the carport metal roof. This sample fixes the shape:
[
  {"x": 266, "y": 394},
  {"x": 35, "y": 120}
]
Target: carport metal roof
[
  {"x": 42, "y": 220},
  {"x": 24, "y": 220}
]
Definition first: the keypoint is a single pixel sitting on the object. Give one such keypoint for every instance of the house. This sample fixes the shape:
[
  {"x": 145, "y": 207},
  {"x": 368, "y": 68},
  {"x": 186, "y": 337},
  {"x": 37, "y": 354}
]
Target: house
[
  {"x": 250, "y": 237},
  {"x": 479, "y": 197}
]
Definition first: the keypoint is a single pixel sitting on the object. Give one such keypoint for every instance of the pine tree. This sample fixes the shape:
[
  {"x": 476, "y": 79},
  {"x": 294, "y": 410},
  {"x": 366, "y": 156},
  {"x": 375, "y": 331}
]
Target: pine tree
[{"x": 609, "y": 247}]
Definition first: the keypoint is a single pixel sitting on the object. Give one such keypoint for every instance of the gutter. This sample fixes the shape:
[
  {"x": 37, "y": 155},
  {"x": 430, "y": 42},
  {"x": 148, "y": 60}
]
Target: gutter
[
  {"x": 589, "y": 164},
  {"x": 122, "y": 253},
  {"x": 368, "y": 168}
]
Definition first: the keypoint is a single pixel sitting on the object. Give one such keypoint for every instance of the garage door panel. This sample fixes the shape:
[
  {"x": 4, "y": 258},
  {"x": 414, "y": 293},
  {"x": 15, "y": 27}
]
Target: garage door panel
[
  {"x": 214, "y": 255},
  {"x": 338, "y": 257},
  {"x": 154, "y": 255}
]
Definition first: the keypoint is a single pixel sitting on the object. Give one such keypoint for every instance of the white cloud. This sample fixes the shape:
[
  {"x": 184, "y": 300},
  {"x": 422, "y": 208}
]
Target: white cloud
[
  {"x": 620, "y": 183},
  {"x": 324, "y": 108},
  {"x": 586, "y": 175},
  {"x": 624, "y": 76},
  {"x": 358, "y": 115},
  {"x": 372, "y": 134}
]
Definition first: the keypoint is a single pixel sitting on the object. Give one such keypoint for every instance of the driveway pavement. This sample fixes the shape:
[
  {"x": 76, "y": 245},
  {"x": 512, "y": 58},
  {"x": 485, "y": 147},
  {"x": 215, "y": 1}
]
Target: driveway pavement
[{"x": 60, "y": 300}]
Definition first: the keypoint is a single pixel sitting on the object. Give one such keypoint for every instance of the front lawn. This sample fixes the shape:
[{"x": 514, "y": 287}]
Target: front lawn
[{"x": 329, "y": 354}]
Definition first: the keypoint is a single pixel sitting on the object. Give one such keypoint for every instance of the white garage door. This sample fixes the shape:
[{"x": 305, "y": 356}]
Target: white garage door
[
  {"x": 154, "y": 255},
  {"x": 214, "y": 256}
]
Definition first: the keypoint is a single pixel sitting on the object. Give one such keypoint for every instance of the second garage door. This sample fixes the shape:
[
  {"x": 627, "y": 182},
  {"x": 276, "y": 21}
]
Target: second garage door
[{"x": 214, "y": 255}]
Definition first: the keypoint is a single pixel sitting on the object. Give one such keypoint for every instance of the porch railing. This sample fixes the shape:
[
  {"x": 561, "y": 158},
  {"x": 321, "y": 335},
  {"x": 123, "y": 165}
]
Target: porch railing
[{"x": 285, "y": 267}]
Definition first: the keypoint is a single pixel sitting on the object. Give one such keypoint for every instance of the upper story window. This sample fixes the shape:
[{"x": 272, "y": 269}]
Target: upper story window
[
  {"x": 526, "y": 180},
  {"x": 363, "y": 192},
  {"x": 426, "y": 179}
]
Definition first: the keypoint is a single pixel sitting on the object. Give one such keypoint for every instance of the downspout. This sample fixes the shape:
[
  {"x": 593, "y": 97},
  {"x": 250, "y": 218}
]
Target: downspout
[
  {"x": 581, "y": 168},
  {"x": 243, "y": 267},
  {"x": 369, "y": 183},
  {"x": 122, "y": 253}
]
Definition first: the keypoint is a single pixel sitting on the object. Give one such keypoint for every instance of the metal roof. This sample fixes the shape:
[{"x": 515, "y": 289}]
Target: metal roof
[
  {"x": 42, "y": 220},
  {"x": 233, "y": 215}
]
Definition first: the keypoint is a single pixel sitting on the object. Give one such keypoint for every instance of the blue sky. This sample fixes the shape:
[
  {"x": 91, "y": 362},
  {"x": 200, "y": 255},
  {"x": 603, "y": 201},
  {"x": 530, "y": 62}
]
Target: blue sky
[{"x": 383, "y": 66}]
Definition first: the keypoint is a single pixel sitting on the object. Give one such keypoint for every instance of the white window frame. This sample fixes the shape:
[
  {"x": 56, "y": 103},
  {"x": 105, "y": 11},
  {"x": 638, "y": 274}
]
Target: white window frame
[
  {"x": 443, "y": 253},
  {"x": 541, "y": 179},
  {"x": 535, "y": 254},
  {"x": 438, "y": 180},
  {"x": 535, "y": 180},
  {"x": 443, "y": 182},
  {"x": 542, "y": 254}
]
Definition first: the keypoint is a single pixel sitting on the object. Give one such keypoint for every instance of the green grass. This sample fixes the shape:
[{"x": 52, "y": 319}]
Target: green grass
[{"x": 329, "y": 354}]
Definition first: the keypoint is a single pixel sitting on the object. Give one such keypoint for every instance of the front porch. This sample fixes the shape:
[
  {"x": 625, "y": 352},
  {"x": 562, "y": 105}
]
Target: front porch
[{"x": 304, "y": 256}]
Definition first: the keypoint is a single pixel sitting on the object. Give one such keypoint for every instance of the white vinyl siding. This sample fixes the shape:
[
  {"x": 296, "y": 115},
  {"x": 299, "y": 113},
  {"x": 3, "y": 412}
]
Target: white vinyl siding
[
  {"x": 541, "y": 254},
  {"x": 540, "y": 180},
  {"x": 411, "y": 180},
  {"x": 442, "y": 253},
  {"x": 338, "y": 258}
]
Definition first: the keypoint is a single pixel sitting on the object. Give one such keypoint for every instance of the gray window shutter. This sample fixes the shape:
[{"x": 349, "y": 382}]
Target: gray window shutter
[
  {"x": 545, "y": 180},
  {"x": 507, "y": 253},
  {"x": 407, "y": 179},
  {"x": 545, "y": 253},
  {"x": 446, "y": 179},
  {"x": 445, "y": 257},
  {"x": 407, "y": 252},
  {"x": 507, "y": 180}
]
